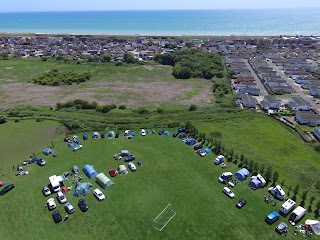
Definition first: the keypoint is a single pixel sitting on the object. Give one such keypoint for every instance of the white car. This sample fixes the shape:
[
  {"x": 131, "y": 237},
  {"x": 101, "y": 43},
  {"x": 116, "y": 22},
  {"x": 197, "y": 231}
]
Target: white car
[
  {"x": 132, "y": 167},
  {"x": 228, "y": 192},
  {"x": 61, "y": 197},
  {"x": 69, "y": 208},
  {"x": 99, "y": 195},
  {"x": 51, "y": 204},
  {"x": 143, "y": 132},
  {"x": 46, "y": 191}
]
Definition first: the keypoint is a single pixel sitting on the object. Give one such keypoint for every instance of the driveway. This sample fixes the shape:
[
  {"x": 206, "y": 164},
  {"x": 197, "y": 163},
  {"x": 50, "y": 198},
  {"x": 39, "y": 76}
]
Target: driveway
[{"x": 260, "y": 85}]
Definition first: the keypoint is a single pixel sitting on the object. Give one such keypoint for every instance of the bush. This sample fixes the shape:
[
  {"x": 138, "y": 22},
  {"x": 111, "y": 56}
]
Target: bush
[
  {"x": 192, "y": 107},
  {"x": 3, "y": 119},
  {"x": 122, "y": 107},
  {"x": 143, "y": 111},
  {"x": 160, "y": 110}
]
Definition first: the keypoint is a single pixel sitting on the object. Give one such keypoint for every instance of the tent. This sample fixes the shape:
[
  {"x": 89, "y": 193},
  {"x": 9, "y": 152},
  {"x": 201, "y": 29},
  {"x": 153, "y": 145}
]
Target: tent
[
  {"x": 166, "y": 133},
  {"x": 95, "y": 135},
  {"x": 132, "y": 134},
  {"x": 82, "y": 188},
  {"x": 242, "y": 174},
  {"x": 47, "y": 151},
  {"x": 102, "y": 135},
  {"x": 207, "y": 150},
  {"x": 89, "y": 171},
  {"x": 32, "y": 160},
  {"x": 122, "y": 170},
  {"x": 182, "y": 135},
  {"x": 191, "y": 141},
  {"x": 75, "y": 170},
  {"x": 104, "y": 181},
  {"x": 85, "y": 136},
  {"x": 70, "y": 145},
  {"x": 257, "y": 182}
]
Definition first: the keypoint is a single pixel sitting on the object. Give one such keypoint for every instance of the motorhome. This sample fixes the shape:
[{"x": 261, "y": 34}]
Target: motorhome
[
  {"x": 55, "y": 183},
  {"x": 296, "y": 215},
  {"x": 277, "y": 192},
  {"x": 287, "y": 206}
]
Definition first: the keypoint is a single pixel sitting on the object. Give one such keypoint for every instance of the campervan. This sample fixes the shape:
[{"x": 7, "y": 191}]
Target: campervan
[
  {"x": 287, "y": 206},
  {"x": 226, "y": 176},
  {"x": 277, "y": 192},
  {"x": 55, "y": 183},
  {"x": 296, "y": 215},
  {"x": 219, "y": 159}
]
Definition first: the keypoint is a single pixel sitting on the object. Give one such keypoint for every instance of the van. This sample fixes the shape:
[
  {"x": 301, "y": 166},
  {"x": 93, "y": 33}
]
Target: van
[
  {"x": 55, "y": 184},
  {"x": 219, "y": 159},
  {"x": 296, "y": 215},
  {"x": 225, "y": 177},
  {"x": 287, "y": 206}
]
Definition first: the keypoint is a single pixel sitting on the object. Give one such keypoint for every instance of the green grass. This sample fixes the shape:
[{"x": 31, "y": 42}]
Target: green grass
[
  {"x": 171, "y": 173},
  {"x": 192, "y": 93},
  {"x": 19, "y": 140}
]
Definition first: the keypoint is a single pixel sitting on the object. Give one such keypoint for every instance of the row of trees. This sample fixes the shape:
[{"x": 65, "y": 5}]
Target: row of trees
[
  {"x": 193, "y": 63},
  {"x": 56, "y": 78}
]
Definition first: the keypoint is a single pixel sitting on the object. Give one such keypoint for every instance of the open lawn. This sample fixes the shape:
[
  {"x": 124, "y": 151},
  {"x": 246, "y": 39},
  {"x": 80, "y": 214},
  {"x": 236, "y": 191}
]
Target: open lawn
[
  {"x": 132, "y": 85},
  {"x": 171, "y": 173},
  {"x": 19, "y": 140}
]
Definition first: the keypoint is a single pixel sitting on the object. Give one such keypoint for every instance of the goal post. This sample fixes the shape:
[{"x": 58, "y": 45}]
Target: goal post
[{"x": 164, "y": 217}]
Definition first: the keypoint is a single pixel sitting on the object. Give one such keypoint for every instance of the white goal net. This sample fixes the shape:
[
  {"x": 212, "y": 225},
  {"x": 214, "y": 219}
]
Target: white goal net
[{"x": 164, "y": 217}]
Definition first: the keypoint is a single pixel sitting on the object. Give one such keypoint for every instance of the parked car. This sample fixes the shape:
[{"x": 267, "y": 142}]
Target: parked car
[
  {"x": 201, "y": 153},
  {"x": 75, "y": 170},
  {"x": 226, "y": 176},
  {"x": 241, "y": 203},
  {"x": 129, "y": 158},
  {"x": 41, "y": 162},
  {"x": 56, "y": 217},
  {"x": 161, "y": 132},
  {"x": 83, "y": 205},
  {"x": 77, "y": 147},
  {"x": 282, "y": 228},
  {"x": 181, "y": 130},
  {"x": 51, "y": 203},
  {"x": 46, "y": 191},
  {"x": 132, "y": 167},
  {"x": 175, "y": 134},
  {"x": 69, "y": 208},
  {"x": 98, "y": 194},
  {"x": 197, "y": 147},
  {"x": 143, "y": 132},
  {"x": 272, "y": 217},
  {"x": 117, "y": 135},
  {"x": 113, "y": 172},
  {"x": 228, "y": 192},
  {"x": 6, "y": 189},
  {"x": 61, "y": 198}
]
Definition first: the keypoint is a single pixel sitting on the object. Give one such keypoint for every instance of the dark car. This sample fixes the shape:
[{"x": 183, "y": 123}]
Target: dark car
[
  {"x": 102, "y": 135},
  {"x": 181, "y": 130},
  {"x": 272, "y": 217},
  {"x": 175, "y": 134},
  {"x": 56, "y": 217},
  {"x": 130, "y": 158},
  {"x": 282, "y": 228},
  {"x": 182, "y": 135},
  {"x": 83, "y": 205},
  {"x": 41, "y": 162},
  {"x": 161, "y": 132},
  {"x": 241, "y": 203},
  {"x": 197, "y": 147},
  {"x": 6, "y": 189},
  {"x": 112, "y": 172},
  {"x": 117, "y": 135}
]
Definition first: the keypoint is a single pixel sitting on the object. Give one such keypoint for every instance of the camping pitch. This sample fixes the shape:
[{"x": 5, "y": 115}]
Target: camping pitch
[{"x": 164, "y": 217}]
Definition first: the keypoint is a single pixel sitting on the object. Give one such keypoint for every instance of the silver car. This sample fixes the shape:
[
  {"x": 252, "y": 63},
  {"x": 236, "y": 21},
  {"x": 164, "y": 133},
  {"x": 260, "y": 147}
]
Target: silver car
[
  {"x": 46, "y": 191},
  {"x": 69, "y": 208}
]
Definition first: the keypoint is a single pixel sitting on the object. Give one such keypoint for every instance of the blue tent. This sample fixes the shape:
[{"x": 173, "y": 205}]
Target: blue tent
[
  {"x": 166, "y": 133},
  {"x": 76, "y": 141},
  {"x": 89, "y": 171},
  {"x": 191, "y": 141},
  {"x": 242, "y": 174},
  {"x": 47, "y": 151},
  {"x": 85, "y": 136},
  {"x": 70, "y": 145},
  {"x": 182, "y": 135},
  {"x": 132, "y": 134},
  {"x": 207, "y": 150},
  {"x": 110, "y": 134}
]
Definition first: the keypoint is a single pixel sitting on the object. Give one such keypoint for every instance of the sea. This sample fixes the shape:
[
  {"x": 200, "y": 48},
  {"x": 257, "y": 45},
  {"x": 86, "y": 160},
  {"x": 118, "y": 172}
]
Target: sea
[{"x": 254, "y": 22}]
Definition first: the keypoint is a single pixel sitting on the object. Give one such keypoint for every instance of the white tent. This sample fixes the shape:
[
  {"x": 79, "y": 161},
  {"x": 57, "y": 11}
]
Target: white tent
[{"x": 122, "y": 170}]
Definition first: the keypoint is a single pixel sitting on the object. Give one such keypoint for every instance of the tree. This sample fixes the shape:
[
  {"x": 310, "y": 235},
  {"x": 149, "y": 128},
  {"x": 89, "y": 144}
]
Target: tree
[
  {"x": 188, "y": 126},
  {"x": 275, "y": 177},
  {"x": 4, "y": 56},
  {"x": 296, "y": 189},
  {"x": 245, "y": 161},
  {"x": 106, "y": 58},
  {"x": 255, "y": 167},
  {"x": 3, "y": 119},
  {"x": 262, "y": 168},
  {"x": 250, "y": 164},
  {"x": 304, "y": 195},
  {"x": 204, "y": 138},
  {"x": 242, "y": 158},
  {"x": 312, "y": 199},
  {"x": 231, "y": 154},
  {"x": 182, "y": 72},
  {"x": 128, "y": 58},
  {"x": 317, "y": 148},
  {"x": 268, "y": 173},
  {"x": 192, "y": 107}
]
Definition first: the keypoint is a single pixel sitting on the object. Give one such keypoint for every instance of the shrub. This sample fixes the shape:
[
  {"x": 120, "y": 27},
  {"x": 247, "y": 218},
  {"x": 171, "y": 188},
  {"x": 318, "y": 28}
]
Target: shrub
[
  {"x": 3, "y": 119},
  {"x": 160, "y": 110},
  {"x": 192, "y": 107},
  {"x": 122, "y": 107},
  {"x": 143, "y": 111}
]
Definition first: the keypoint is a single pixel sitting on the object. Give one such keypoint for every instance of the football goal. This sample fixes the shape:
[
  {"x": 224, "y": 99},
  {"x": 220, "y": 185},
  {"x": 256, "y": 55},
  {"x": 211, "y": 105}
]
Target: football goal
[{"x": 164, "y": 217}]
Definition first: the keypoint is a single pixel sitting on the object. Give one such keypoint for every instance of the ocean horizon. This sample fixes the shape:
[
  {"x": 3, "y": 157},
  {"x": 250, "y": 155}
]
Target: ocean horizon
[{"x": 247, "y": 22}]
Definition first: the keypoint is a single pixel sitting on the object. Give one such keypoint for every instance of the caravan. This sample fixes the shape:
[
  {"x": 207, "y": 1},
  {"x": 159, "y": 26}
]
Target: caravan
[
  {"x": 277, "y": 192},
  {"x": 287, "y": 206}
]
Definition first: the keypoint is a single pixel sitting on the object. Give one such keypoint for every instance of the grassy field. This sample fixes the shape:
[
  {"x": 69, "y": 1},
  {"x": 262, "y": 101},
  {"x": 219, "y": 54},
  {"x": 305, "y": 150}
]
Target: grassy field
[
  {"x": 132, "y": 85},
  {"x": 171, "y": 173},
  {"x": 19, "y": 140}
]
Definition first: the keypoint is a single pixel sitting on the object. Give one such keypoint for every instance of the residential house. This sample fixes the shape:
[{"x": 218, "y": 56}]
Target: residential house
[
  {"x": 282, "y": 89},
  {"x": 248, "y": 101},
  {"x": 308, "y": 118},
  {"x": 251, "y": 91},
  {"x": 299, "y": 104},
  {"x": 270, "y": 102},
  {"x": 316, "y": 133},
  {"x": 314, "y": 91}
]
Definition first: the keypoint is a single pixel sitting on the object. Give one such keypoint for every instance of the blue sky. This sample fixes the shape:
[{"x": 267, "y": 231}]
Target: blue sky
[{"x": 82, "y": 5}]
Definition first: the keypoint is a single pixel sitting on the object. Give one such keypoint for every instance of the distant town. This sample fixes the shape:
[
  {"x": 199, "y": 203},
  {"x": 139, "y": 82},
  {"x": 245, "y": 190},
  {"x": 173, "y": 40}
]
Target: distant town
[{"x": 278, "y": 75}]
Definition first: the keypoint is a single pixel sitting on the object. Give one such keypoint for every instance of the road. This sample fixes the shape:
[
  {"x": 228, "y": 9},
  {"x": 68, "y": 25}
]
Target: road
[
  {"x": 298, "y": 90},
  {"x": 262, "y": 88}
]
